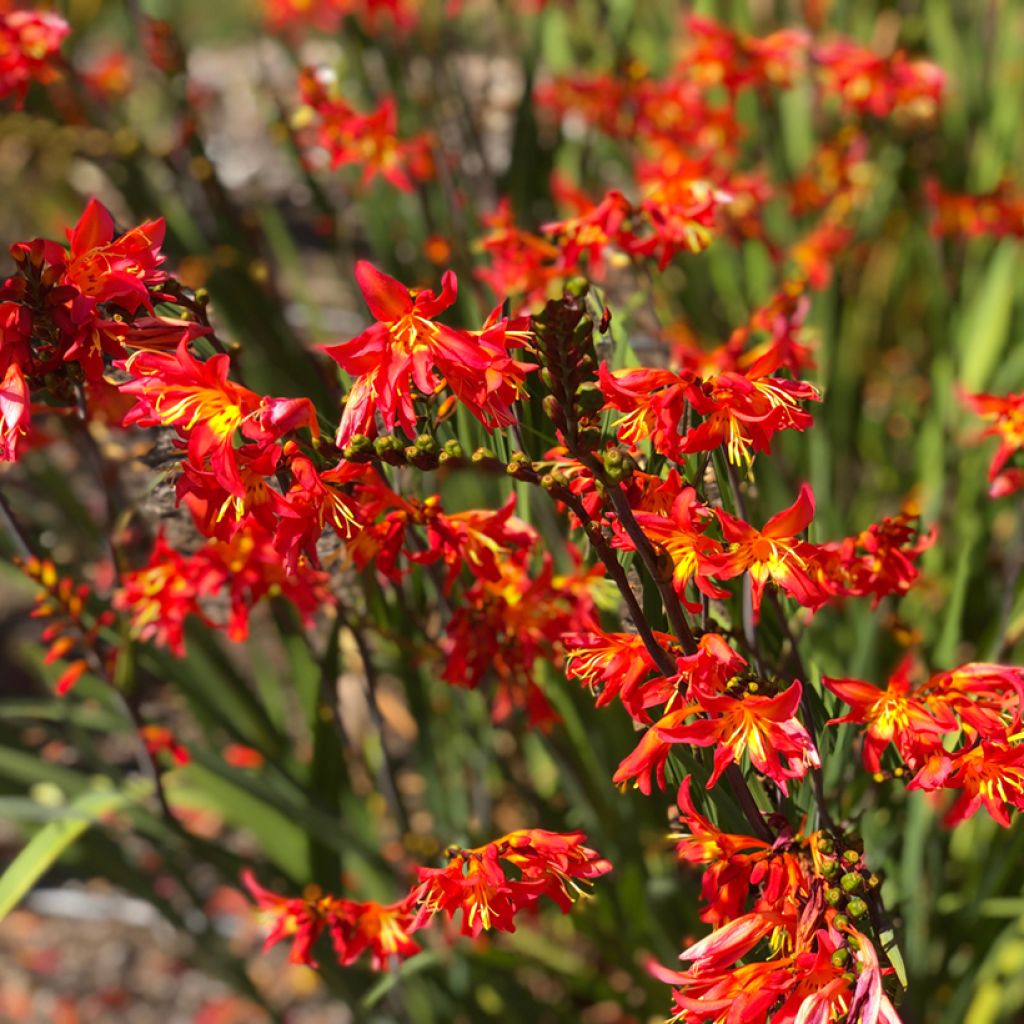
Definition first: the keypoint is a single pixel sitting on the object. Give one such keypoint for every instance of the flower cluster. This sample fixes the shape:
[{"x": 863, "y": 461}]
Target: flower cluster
[
  {"x": 29, "y": 50},
  {"x": 69, "y": 310},
  {"x": 402, "y": 354},
  {"x": 474, "y": 883},
  {"x": 792, "y": 929},
  {"x": 958, "y": 730},
  {"x": 345, "y": 136}
]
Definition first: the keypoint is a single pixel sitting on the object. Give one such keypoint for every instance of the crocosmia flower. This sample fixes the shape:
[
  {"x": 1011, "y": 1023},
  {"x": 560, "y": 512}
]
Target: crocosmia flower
[{"x": 407, "y": 354}]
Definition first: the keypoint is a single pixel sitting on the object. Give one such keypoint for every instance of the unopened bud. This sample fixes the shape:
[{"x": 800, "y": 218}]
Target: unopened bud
[{"x": 857, "y": 907}]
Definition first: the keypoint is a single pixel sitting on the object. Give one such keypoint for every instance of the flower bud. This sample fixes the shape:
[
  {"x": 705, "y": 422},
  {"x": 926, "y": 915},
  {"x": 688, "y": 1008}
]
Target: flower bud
[
  {"x": 851, "y": 882},
  {"x": 857, "y": 907}
]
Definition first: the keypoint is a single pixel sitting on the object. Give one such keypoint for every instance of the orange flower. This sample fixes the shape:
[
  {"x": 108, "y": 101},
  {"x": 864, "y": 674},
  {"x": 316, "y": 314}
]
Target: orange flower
[
  {"x": 1006, "y": 417},
  {"x": 405, "y": 351},
  {"x": 770, "y": 554}
]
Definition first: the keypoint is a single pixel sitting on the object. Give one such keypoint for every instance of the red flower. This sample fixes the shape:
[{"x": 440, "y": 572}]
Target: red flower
[
  {"x": 383, "y": 930},
  {"x": 121, "y": 270},
  {"x": 618, "y": 665},
  {"x": 160, "y": 739},
  {"x": 765, "y": 728},
  {"x": 1006, "y": 416},
  {"x": 372, "y": 140},
  {"x": 893, "y": 715},
  {"x": 772, "y": 553},
  {"x": 300, "y": 920},
  {"x": 681, "y": 534},
  {"x": 405, "y": 351},
  {"x": 550, "y": 864},
  {"x": 15, "y": 413},
  {"x": 29, "y": 50}
]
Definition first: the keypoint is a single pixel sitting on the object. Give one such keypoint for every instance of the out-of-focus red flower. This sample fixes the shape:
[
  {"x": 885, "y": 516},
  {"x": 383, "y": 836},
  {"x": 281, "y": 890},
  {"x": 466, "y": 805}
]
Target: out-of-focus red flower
[
  {"x": 384, "y": 930},
  {"x": 238, "y": 755},
  {"x": 407, "y": 352},
  {"x": 522, "y": 264},
  {"x": 15, "y": 413},
  {"x": 370, "y": 140},
  {"x": 1005, "y": 415},
  {"x": 999, "y": 213},
  {"x": 245, "y": 568},
  {"x": 503, "y": 626},
  {"x": 868, "y": 84},
  {"x": 719, "y": 55},
  {"x": 29, "y": 50},
  {"x": 159, "y": 739}
]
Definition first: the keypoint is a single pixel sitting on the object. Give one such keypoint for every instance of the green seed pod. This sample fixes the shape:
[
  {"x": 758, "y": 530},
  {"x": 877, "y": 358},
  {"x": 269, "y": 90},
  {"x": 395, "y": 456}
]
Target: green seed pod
[
  {"x": 453, "y": 449},
  {"x": 839, "y": 958},
  {"x": 857, "y": 907},
  {"x": 841, "y": 921},
  {"x": 426, "y": 444},
  {"x": 852, "y": 882},
  {"x": 851, "y": 857},
  {"x": 833, "y": 895}
]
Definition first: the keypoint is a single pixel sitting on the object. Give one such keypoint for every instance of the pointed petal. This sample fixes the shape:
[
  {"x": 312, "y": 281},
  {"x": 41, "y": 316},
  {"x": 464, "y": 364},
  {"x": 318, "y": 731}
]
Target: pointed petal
[
  {"x": 793, "y": 520},
  {"x": 387, "y": 298}
]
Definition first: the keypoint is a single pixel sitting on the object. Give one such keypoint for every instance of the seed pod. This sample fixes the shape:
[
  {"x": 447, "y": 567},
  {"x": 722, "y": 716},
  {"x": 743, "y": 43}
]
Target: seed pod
[
  {"x": 857, "y": 907},
  {"x": 852, "y": 882}
]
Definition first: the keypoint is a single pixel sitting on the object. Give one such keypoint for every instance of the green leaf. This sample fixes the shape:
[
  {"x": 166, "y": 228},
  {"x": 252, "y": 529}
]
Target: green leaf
[{"x": 46, "y": 846}]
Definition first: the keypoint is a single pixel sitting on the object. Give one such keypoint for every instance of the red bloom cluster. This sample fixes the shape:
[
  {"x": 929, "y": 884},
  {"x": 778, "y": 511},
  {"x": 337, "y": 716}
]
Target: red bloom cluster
[
  {"x": 714, "y": 702},
  {"x": 866, "y": 83},
  {"x": 1005, "y": 414},
  {"x": 674, "y": 216},
  {"x": 327, "y": 15},
  {"x": 404, "y": 352},
  {"x": 371, "y": 140},
  {"x": 72, "y": 628},
  {"x": 999, "y": 213},
  {"x": 502, "y": 627},
  {"x": 957, "y": 730},
  {"x": 790, "y": 920},
  {"x": 29, "y": 50},
  {"x": 551, "y": 864},
  {"x": 161, "y": 596}
]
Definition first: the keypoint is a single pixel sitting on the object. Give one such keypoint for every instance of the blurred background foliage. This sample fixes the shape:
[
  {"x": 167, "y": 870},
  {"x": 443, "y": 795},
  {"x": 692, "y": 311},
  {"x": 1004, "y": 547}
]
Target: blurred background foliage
[{"x": 408, "y": 764}]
